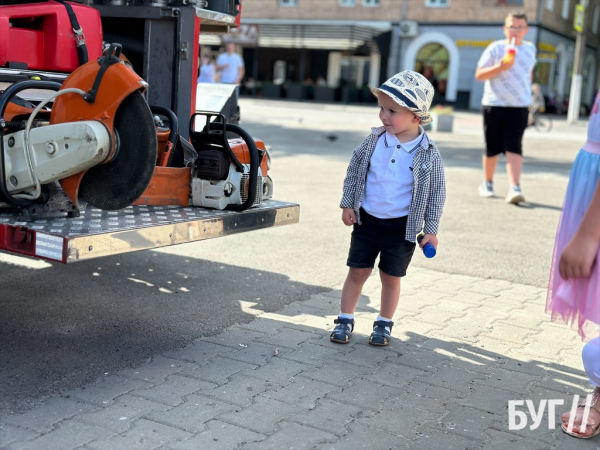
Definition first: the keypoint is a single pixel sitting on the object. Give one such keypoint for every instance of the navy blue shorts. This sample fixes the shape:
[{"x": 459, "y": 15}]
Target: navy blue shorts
[{"x": 383, "y": 237}]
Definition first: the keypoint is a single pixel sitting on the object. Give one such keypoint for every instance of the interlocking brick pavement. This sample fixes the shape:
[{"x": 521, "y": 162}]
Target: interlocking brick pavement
[{"x": 462, "y": 348}]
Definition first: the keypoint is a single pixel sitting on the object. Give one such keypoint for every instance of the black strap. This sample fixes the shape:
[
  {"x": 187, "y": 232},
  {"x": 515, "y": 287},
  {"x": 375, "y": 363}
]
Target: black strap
[
  {"x": 81, "y": 48},
  {"x": 111, "y": 57}
]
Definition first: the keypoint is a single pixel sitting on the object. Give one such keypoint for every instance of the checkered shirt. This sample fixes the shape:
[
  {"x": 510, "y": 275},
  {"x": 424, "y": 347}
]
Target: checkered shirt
[{"x": 429, "y": 190}]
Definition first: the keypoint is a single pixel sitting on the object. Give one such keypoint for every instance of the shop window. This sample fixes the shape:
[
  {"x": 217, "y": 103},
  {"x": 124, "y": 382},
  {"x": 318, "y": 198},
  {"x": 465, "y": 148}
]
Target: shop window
[
  {"x": 565, "y": 9},
  {"x": 501, "y": 3},
  {"x": 288, "y": 2},
  {"x": 370, "y": 2},
  {"x": 549, "y": 4},
  {"x": 347, "y": 2},
  {"x": 354, "y": 71},
  {"x": 437, "y": 3},
  {"x": 541, "y": 74}
]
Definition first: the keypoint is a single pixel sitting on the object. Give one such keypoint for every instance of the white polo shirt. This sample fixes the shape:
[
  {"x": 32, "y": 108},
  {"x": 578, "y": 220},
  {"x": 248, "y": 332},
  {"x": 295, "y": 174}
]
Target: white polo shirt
[{"x": 389, "y": 186}]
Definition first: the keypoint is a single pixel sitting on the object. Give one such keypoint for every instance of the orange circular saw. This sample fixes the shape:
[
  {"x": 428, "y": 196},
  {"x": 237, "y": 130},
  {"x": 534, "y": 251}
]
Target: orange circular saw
[{"x": 113, "y": 98}]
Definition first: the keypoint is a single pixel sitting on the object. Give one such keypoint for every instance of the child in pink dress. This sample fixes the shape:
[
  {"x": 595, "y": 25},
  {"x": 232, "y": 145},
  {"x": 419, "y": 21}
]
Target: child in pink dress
[{"x": 574, "y": 288}]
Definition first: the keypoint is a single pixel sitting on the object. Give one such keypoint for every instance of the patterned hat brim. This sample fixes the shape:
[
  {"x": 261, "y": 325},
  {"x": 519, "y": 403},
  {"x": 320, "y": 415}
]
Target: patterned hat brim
[{"x": 426, "y": 118}]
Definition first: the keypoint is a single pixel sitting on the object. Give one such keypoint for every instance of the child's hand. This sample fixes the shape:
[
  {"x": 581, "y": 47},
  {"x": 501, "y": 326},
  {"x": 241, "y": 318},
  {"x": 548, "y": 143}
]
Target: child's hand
[
  {"x": 506, "y": 65},
  {"x": 577, "y": 258},
  {"x": 431, "y": 238},
  {"x": 348, "y": 216}
]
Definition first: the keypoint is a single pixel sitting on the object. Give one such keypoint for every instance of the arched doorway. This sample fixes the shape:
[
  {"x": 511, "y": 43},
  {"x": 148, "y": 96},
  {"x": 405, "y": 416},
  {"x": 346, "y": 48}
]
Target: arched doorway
[
  {"x": 432, "y": 62},
  {"x": 439, "y": 50}
]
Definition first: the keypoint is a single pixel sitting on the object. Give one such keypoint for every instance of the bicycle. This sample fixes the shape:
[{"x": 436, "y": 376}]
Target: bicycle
[{"x": 542, "y": 122}]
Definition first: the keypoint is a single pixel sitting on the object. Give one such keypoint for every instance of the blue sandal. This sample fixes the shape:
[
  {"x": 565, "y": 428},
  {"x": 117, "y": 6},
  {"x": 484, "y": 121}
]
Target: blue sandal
[
  {"x": 342, "y": 332},
  {"x": 380, "y": 336}
]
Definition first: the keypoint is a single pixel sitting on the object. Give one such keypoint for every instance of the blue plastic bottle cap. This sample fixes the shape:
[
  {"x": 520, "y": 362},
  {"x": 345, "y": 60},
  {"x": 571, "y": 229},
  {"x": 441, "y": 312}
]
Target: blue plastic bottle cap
[{"x": 429, "y": 251}]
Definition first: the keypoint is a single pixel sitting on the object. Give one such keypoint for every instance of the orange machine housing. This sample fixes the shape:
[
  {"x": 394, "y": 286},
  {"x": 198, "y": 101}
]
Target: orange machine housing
[
  {"x": 240, "y": 150},
  {"x": 117, "y": 83},
  {"x": 171, "y": 185}
]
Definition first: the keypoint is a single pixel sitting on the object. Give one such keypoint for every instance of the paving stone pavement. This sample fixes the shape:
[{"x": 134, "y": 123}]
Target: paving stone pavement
[{"x": 462, "y": 348}]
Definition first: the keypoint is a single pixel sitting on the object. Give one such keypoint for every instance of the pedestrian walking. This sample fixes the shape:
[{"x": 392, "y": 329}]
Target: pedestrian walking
[
  {"x": 230, "y": 65},
  {"x": 574, "y": 288},
  {"x": 506, "y": 66},
  {"x": 538, "y": 104},
  {"x": 207, "y": 70},
  {"x": 394, "y": 188}
]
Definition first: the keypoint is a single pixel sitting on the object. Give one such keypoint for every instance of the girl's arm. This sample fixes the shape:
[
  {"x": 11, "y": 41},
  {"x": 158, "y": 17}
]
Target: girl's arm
[{"x": 578, "y": 256}]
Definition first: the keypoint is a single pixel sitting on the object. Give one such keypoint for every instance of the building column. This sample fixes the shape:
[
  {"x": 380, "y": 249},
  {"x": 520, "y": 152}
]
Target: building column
[
  {"x": 375, "y": 65},
  {"x": 334, "y": 69}
]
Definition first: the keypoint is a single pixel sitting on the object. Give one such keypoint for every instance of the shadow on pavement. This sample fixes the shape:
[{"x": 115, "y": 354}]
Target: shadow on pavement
[
  {"x": 427, "y": 392},
  {"x": 65, "y": 326},
  {"x": 533, "y": 205}
]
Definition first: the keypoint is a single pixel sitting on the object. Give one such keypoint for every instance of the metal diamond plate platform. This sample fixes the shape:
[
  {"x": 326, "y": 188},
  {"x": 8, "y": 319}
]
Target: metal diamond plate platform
[{"x": 98, "y": 233}]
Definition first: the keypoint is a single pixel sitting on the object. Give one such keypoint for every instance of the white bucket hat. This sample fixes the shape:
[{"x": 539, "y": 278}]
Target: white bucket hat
[{"x": 410, "y": 90}]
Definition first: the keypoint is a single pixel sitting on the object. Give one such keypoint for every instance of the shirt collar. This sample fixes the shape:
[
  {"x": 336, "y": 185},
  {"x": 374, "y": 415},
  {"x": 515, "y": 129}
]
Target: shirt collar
[
  {"x": 376, "y": 132},
  {"x": 390, "y": 140}
]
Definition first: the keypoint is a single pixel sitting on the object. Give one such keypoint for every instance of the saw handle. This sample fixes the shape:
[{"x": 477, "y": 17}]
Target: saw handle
[
  {"x": 13, "y": 89},
  {"x": 254, "y": 166},
  {"x": 10, "y": 92},
  {"x": 173, "y": 135},
  {"x": 213, "y": 134}
]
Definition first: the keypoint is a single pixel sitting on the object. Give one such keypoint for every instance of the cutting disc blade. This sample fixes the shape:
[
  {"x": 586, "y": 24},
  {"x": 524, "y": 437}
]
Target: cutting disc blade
[{"x": 120, "y": 182}]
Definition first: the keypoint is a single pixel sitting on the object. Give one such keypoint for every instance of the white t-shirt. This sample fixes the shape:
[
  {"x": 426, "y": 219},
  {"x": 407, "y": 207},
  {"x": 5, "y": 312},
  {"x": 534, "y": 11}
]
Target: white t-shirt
[
  {"x": 230, "y": 73},
  {"x": 512, "y": 87},
  {"x": 388, "y": 191}
]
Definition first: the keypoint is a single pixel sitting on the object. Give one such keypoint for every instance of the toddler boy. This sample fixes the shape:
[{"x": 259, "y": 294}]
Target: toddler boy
[{"x": 394, "y": 188}]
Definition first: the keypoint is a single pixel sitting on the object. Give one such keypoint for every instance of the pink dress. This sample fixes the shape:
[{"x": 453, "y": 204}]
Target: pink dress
[{"x": 577, "y": 300}]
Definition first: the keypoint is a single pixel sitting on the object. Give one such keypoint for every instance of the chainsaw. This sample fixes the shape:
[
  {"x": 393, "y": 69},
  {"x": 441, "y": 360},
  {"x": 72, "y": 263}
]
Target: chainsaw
[{"x": 230, "y": 173}]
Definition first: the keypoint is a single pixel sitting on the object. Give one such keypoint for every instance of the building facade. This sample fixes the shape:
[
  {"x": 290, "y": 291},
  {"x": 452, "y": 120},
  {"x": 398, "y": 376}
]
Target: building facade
[{"x": 352, "y": 44}]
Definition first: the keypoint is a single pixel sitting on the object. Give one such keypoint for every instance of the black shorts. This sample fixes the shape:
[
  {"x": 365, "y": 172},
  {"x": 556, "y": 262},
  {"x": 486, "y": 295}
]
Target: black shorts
[
  {"x": 503, "y": 128},
  {"x": 383, "y": 237}
]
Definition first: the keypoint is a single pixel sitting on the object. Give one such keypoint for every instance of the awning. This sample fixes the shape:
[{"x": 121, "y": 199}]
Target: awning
[{"x": 313, "y": 34}]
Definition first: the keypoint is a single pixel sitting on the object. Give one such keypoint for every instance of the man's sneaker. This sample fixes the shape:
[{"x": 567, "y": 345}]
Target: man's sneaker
[
  {"x": 515, "y": 195},
  {"x": 486, "y": 189}
]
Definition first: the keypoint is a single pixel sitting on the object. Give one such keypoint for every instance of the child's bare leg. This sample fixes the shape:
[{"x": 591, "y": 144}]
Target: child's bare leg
[
  {"x": 390, "y": 295},
  {"x": 353, "y": 285}
]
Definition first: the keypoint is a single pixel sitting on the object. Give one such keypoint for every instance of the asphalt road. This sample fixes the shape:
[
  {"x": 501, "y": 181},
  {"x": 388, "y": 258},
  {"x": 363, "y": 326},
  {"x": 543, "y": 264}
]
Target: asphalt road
[{"x": 62, "y": 327}]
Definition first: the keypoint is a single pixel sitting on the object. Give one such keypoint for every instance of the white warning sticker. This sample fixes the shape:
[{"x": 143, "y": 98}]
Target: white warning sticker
[{"x": 48, "y": 246}]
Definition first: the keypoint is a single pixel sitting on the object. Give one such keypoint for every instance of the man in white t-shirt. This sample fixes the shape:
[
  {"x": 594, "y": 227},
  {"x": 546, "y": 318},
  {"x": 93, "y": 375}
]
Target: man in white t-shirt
[
  {"x": 230, "y": 65},
  {"x": 506, "y": 66}
]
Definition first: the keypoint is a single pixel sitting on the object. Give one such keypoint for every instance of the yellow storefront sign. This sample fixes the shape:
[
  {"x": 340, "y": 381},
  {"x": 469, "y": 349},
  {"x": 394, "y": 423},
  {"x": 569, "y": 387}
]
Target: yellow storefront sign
[
  {"x": 545, "y": 47},
  {"x": 467, "y": 43},
  {"x": 542, "y": 55}
]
